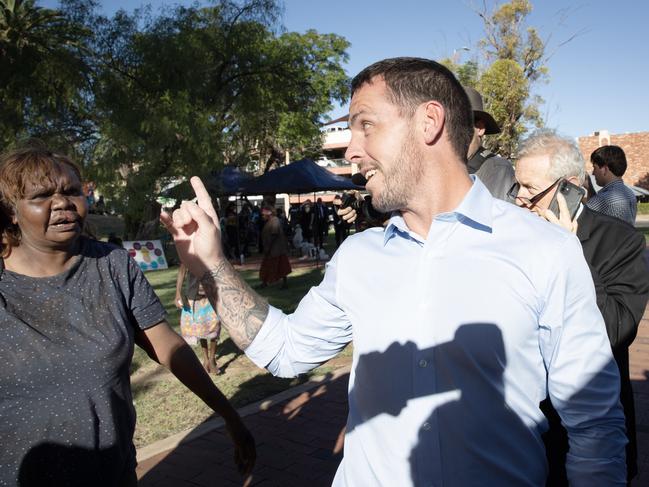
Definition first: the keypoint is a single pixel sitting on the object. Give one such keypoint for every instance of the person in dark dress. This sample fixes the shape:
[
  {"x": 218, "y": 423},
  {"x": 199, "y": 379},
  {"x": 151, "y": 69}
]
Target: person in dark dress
[
  {"x": 71, "y": 309},
  {"x": 306, "y": 221}
]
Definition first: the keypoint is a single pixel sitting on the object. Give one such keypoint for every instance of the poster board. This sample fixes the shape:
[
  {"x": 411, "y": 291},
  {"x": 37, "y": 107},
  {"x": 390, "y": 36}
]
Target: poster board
[{"x": 148, "y": 254}]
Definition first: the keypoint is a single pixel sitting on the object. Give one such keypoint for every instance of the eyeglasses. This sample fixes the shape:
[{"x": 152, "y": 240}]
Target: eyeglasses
[{"x": 512, "y": 194}]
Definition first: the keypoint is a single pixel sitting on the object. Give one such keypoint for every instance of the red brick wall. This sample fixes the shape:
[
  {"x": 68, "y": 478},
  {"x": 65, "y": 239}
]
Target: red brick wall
[{"x": 636, "y": 148}]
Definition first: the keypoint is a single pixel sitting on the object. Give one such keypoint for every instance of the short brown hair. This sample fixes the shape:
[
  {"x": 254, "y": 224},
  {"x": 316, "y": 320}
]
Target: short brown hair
[
  {"x": 412, "y": 81},
  {"x": 611, "y": 156},
  {"x": 30, "y": 164}
]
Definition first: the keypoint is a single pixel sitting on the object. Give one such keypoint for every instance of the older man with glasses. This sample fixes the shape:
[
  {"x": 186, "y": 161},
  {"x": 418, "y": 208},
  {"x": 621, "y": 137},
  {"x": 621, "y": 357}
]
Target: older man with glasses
[{"x": 613, "y": 250}]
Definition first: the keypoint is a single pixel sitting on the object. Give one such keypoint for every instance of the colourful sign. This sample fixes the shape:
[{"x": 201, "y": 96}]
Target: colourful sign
[{"x": 148, "y": 254}]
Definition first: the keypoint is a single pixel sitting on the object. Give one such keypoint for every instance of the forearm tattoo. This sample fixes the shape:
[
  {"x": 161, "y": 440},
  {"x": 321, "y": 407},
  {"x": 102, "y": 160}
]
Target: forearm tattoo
[{"x": 240, "y": 309}]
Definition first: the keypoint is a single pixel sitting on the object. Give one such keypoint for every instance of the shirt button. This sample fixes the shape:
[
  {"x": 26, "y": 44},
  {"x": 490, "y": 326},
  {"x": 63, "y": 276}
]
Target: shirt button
[
  {"x": 426, "y": 426},
  {"x": 423, "y": 363}
]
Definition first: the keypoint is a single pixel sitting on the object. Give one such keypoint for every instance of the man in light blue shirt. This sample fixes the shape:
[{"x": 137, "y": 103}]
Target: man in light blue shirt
[{"x": 465, "y": 311}]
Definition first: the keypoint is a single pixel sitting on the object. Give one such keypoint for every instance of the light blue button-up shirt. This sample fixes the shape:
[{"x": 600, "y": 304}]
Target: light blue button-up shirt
[{"x": 457, "y": 338}]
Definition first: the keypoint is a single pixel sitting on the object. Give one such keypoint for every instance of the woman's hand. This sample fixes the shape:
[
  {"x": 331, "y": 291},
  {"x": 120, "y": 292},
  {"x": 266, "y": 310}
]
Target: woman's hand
[{"x": 245, "y": 452}]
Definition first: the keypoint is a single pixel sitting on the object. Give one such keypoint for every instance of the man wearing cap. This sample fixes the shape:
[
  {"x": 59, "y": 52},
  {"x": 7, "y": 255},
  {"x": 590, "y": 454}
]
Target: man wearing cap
[{"x": 495, "y": 172}]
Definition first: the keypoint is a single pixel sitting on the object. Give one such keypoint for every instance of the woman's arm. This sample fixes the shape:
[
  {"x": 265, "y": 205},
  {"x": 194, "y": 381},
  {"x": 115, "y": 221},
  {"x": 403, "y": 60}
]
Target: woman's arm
[
  {"x": 166, "y": 347},
  {"x": 180, "y": 278}
]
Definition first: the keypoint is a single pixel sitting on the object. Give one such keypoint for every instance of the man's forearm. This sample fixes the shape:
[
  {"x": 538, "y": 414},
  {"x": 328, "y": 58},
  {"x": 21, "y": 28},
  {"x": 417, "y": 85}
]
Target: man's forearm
[{"x": 240, "y": 309}]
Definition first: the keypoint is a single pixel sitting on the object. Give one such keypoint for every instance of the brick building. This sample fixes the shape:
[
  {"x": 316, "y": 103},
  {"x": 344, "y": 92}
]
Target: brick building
[{"x": 635, "y": 146}]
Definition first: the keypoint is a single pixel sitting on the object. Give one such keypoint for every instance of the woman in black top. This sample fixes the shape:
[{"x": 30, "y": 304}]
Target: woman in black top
[{"x": 71, "y": 309}]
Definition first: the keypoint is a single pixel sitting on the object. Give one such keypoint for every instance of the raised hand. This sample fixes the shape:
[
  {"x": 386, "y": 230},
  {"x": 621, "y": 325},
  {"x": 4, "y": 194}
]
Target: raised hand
[
  {"x": 563, "y": 219},
  {"x": 196, "y": 231}
]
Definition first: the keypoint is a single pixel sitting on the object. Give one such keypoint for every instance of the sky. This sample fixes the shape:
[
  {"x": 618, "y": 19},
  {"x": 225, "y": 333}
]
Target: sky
[{"x": 597, "y": 81}]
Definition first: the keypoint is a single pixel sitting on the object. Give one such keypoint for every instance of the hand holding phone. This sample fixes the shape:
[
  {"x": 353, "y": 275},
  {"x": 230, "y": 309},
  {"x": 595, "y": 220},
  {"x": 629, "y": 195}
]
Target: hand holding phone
[
  {"x": 572, "y": 194},
  {"x": 564, "y": 205}
]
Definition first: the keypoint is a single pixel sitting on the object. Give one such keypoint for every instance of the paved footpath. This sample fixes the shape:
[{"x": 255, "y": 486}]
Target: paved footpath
[
  {"x": 299, "y": 443},
  {"x": 299, "y": 440}
]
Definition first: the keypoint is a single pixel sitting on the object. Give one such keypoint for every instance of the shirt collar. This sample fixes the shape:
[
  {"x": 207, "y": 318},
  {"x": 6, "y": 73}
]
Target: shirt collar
[
  {"x": 615, "y": 182},
  {"x": 475, "y": 211}
]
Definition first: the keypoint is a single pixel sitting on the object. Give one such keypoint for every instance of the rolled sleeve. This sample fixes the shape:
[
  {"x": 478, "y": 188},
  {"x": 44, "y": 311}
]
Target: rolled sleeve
[
  {"x": 583, "y": 379},
  {"x": 288, "y": 345}
]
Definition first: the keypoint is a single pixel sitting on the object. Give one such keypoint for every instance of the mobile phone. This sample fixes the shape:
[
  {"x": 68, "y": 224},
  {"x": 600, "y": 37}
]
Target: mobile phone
[{"x": 573, "y": 195}]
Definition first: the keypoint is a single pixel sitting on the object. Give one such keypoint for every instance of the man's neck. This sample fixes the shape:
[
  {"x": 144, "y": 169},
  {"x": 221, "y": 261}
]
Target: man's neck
[
  {"x": 438, "y": 193},
  {"x": 613, "y": 180},
  {"x": 476, "y": 152}
]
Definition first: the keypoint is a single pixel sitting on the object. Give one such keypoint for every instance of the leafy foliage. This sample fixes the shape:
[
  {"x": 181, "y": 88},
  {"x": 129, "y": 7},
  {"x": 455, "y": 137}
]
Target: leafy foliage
[
  {"x": 44, "y": 85},
  {"x": 513, "y": 59},
  {"x": 147, "y": 99}
]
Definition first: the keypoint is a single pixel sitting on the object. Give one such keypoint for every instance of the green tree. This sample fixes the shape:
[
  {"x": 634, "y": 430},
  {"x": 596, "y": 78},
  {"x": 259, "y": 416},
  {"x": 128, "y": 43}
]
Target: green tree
[
  {"x": 44, "y": 79},
  {"x": 516, "y": 57},
  {"x": 511, "y": 60},
  {"x": 194, "y": 88}
]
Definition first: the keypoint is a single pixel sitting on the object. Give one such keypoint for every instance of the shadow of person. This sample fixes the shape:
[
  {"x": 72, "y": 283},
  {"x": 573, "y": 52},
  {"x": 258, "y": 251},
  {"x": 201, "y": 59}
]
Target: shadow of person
[
  {"x": 299, "y": 442},
  {"x": 469, "y": 425},
  {"x": 477, "y": 427},
  {"x": 52, "y": 464},
  {"x": 227, "y": 347}
]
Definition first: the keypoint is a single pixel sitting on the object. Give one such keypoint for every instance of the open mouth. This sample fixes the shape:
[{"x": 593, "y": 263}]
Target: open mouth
[
  {"x": 370, "y": 173},
  {"x": 64, "y": 224}
]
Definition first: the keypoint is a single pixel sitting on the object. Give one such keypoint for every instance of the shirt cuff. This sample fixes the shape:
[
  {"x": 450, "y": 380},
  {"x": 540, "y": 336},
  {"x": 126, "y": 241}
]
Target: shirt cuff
[{"x": 265, "y": 346}]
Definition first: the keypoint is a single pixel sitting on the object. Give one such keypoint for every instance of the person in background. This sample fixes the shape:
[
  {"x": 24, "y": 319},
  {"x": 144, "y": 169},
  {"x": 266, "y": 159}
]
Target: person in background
[
  {"x": 495, "y": 172},
  {"x": 341, "y": 227},
  {"x": 614, "y": 251},
  {"x": 286, "y": 226},
  {"x": 100, "y": 205},
  {"x": 306, "y": 221},
  {"x": 615, "y": 198},
  {"x": 232, "y": 231},
  {"x": 198, "y": 320},
  {"x": 320, "y": 227},
  {"x": 71, "y": 309},
  {"x": 275, "y": 264}
]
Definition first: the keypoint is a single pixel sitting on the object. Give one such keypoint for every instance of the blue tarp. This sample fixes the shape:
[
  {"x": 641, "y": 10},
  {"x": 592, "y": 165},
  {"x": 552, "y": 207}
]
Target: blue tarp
[
  {"x": 228, "y": 181},
  {"x": 303, "y": 176}
]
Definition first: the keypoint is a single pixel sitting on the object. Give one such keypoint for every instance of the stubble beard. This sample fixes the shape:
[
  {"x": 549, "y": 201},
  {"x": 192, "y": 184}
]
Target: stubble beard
[{"x": 400, "y": 179}]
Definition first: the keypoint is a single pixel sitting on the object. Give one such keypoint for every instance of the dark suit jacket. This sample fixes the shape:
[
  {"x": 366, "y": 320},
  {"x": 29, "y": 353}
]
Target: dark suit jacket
[{"x": 614, "y": 251}]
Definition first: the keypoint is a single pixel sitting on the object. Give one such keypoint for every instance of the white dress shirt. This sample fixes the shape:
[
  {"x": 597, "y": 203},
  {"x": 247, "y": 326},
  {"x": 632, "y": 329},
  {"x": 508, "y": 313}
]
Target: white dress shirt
[{"x": 457, "y": 338}]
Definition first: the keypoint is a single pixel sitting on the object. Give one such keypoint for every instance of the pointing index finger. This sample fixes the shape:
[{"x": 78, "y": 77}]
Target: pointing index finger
[{"x": 203, "y": 198}]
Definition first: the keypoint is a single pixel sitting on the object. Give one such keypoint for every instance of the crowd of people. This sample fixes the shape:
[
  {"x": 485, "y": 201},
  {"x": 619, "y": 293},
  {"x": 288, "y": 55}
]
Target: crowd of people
[
  {"x": 243, "y": 228},
  {"x": 491, "y": 315}
]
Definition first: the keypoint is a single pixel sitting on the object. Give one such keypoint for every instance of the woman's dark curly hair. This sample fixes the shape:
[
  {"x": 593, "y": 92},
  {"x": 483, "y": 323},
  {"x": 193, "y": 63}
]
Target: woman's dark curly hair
[{"x": 34, "y": 164}]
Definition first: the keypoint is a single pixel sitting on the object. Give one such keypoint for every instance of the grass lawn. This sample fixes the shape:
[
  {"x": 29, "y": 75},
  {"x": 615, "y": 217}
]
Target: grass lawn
[{"x": 164, "y": 406}]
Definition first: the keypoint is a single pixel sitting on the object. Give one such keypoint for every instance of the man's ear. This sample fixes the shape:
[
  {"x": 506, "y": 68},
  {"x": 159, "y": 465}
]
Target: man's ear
[
  {"x": 480, "y": 127},
  {"x": 434, "y": 118},
  {"x": 575, "y": 180}
]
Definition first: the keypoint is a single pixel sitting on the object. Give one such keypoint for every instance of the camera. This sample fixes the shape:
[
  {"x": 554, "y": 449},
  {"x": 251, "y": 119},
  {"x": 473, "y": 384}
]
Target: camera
[{"x": 364, "y": 208}]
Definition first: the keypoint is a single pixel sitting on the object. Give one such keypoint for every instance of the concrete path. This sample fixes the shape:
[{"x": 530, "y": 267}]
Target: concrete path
[
  {"x": 300, "y": 439},
  {"x": 299, "y": 443}
]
